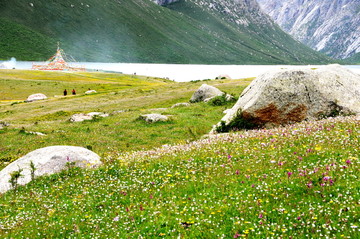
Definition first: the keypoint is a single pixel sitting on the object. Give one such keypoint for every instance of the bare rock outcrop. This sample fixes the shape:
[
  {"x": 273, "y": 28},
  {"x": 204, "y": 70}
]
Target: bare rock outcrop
[
  {"x": 292, "y": 95},
  {"x": 47, "y": 161}
]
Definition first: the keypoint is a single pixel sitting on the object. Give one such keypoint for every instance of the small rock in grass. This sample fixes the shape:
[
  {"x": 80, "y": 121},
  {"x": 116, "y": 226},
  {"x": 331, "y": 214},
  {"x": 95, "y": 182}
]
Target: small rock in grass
[
  {"x": 35, "y": 133},
  {"x": 4, "y": 125},
  {"x": 152, "y": 118},
  {"x": 35, "y": 97},
  {"x": 90, "y": 92},
  {"x": 89, "y": 116},
  {"x": 180, "y": 105}
]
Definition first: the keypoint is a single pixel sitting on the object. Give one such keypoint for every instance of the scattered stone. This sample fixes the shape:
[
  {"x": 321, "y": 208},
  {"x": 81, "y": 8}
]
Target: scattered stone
[
  {"x": 35, "y": 97},
  {"x": 229, "y": 97},
  {"x": 35, "y": 133},
  {"x": 180, "y": 105},
  {"x": 292, "y": 95},
  {"x": 89, "y": 116},
  {"x": 152, "y": 118},
  {"x": 205, "y": 92},
  {"x": 90, "y": 92},
  {"x": 4, "y": 124},
  {"x": 223, "y": 77},
  {"x": 48, "y": 161}
]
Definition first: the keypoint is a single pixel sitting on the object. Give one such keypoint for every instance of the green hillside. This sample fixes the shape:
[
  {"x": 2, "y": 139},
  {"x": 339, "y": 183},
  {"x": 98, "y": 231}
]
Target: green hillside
[{"x": 140, "y": 31}]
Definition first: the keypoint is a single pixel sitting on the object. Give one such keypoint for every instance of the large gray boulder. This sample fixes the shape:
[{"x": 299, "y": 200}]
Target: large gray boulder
[
  {"x": 47, "y": 161},
  {"x": 293, "y": 95},
  {"x": 35, "y": 97},
  {"x": 205, "y": 92}
]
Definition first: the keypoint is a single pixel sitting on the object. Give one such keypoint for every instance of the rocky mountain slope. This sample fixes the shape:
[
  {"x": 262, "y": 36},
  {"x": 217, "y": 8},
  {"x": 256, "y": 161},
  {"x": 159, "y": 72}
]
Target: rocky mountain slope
[
  {"x": 329, "y": 26},
  {"x": 158, "y": 31}
]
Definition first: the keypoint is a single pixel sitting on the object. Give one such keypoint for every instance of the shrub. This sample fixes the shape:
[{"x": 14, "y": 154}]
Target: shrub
[
  {"x": 221, "y": 100},
  {"x": 218, "y": 100},
  {"x": 236, "y": 124},
  {"x": 14, "y": 177}
]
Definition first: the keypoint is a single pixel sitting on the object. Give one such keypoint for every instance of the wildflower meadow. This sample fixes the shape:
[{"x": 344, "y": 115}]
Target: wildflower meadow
[
  {"x": 299, "y": 181},
  {"x": 170, "y": 179}
]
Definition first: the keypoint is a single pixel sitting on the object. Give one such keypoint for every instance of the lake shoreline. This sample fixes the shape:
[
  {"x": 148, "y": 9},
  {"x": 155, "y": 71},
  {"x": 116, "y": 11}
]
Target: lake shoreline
[{"x": 183, "y": 72}]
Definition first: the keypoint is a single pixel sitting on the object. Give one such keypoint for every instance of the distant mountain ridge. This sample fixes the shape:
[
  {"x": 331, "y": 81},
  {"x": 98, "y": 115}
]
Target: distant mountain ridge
[
  {"x": 329, "y": 26},
  {"x": 149, "y": 31}
]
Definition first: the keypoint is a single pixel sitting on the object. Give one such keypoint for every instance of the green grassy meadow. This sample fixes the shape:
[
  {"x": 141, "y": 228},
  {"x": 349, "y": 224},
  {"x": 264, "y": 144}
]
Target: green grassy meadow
[
  {"x": 135, "y": 95},
  {"x": 165, "y": 180}
]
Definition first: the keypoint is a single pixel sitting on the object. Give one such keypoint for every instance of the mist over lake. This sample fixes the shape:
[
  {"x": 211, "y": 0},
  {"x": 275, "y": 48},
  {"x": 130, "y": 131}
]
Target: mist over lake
[{"x": 184, "y": 72}]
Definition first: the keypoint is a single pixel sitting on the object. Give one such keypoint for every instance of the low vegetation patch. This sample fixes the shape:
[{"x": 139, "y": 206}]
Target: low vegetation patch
[{"x": 222, "y": 100}]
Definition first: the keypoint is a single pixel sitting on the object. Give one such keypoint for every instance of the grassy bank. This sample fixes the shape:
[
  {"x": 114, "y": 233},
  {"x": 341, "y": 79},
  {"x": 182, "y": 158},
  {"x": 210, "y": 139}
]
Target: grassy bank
[
  {"x": 126, "y": 97},
  {"x": 299, "y": 181}
]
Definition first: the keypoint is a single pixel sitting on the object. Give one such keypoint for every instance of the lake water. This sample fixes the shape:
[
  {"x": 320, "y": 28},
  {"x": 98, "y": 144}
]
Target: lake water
[{"x": 182, "y": 72}]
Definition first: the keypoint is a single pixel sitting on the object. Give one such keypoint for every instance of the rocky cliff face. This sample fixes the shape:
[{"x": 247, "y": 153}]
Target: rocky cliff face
[
  {"x": 329, "y": 26},
  {"x": 241, "y": 12}
]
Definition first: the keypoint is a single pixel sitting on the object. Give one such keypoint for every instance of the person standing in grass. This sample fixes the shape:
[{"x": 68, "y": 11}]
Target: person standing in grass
[
  {"x": 65, "y": 92},
  {"x": 73, "y": 92}
]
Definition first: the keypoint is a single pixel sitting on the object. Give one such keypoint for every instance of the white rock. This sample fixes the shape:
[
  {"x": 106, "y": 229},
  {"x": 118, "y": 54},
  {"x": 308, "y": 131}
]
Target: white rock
[
  {"x": 229, "y": 97},
  {"x": 36, "y": 133},
  {"x": 89, "y": 116},
  {"x": 90, "y": 92},
  {"x": 152, "y": 118},
  {"x": 205, "y": 92},
  {"x": 180, "y": 105},
  {"x": 48, "y": 161},
  {"x": 35, "y": 97},
  {"x": 223, "y": 76},
  {"x": 4, "y": 124}
]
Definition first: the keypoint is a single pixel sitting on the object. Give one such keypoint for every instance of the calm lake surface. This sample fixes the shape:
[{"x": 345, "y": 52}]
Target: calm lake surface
[{"x": 182, "y": 73}]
